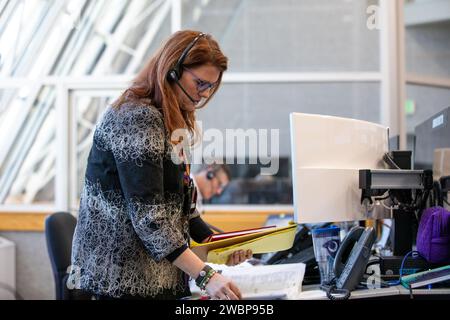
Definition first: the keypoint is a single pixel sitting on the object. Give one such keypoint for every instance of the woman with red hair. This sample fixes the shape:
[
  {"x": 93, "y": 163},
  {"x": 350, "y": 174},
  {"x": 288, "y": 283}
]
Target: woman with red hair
[{"x": 135, "y": 218}]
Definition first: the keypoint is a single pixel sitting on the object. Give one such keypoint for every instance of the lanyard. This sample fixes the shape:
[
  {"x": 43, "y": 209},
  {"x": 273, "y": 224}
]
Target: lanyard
[
  {"x": 187, "y": 169},
  {"x": 190, "y": 191}
]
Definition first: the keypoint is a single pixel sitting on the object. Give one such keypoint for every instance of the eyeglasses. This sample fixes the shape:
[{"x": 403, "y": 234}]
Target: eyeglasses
[{"x": 202, "y": 85}]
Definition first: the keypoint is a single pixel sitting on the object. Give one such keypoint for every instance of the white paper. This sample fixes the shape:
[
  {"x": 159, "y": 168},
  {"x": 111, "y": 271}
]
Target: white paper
[{"x": 264, "y": 281}]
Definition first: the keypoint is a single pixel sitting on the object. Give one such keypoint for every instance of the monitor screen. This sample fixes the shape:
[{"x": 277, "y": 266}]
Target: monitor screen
[
  {"x": 327, "y": 154},
  {"x": 431, "y": 135}
]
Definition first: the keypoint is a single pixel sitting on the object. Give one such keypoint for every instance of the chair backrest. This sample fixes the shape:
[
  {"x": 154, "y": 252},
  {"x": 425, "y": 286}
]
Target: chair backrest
[{"x": 59, "y": 230}]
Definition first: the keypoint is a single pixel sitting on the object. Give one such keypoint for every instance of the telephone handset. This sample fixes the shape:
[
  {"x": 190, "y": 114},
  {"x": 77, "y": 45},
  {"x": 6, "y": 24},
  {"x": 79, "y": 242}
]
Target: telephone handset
[{"x": 352, "y": 257}]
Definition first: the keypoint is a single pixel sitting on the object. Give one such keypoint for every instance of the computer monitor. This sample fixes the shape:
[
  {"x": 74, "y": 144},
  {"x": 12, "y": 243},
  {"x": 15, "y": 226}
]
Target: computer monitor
[
  {"x": 327, "y": 153},
  {"x": 432, "y": 134}
]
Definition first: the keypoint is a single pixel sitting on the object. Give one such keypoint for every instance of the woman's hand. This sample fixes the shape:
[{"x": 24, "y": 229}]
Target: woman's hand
[
  {"x": 238, "y": 257},
  {"x": 222, "y": 288}
]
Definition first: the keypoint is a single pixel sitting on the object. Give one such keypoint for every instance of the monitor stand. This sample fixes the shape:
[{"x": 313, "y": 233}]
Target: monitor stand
[{"x": 403, "y": 221}]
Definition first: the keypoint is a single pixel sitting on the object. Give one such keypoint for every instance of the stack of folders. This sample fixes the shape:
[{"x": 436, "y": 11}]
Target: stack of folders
[
  {"x": 426, "y": 278},
  {"x": 262, "y": 240}
]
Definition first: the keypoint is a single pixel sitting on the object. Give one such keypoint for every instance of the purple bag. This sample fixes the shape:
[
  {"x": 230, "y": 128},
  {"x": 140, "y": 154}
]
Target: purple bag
[{"x": 433, "y": 236}]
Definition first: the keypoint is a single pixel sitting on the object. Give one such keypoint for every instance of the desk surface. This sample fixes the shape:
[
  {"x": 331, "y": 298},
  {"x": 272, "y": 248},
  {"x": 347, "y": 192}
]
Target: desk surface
[{"x": 314, "y": 293}]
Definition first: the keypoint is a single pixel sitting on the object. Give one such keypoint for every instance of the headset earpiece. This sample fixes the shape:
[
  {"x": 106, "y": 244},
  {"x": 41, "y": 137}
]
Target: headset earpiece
[
  {"x": 172, "y": 75},
  {"x": 210, "y": 175},
  {"x": 177, "y": 71}
]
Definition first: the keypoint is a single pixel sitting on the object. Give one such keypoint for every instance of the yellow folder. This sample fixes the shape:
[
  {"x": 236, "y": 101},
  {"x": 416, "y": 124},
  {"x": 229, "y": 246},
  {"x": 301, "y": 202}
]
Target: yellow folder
[{"x": 273, "y": 240}]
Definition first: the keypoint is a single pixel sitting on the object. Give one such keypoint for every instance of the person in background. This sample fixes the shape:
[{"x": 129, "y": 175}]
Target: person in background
[{"x": 211, "y": 180}]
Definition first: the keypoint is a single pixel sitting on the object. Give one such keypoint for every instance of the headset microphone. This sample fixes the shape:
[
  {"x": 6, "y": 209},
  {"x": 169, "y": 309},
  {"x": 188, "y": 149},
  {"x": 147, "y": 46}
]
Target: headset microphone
[
  {"x": 197, "y": 104},
  {"x": 175, "y": 78}
]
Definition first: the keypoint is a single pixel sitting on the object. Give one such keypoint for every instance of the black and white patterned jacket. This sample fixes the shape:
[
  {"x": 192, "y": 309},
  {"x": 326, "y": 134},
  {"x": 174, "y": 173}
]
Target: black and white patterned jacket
[{"x": 131, "y": 225}]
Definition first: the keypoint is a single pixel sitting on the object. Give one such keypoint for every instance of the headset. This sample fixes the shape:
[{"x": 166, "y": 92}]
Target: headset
[
  {"x": 210, "y": 175},
  {"x": 176, "y": 72}
]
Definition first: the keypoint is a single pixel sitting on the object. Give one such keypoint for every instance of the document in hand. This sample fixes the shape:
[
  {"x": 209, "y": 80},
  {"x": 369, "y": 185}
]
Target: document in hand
[
  {"x": 263, "y": 241},
  {"x": 232, "y": 234},
  {"x": 262, "y": 282}
]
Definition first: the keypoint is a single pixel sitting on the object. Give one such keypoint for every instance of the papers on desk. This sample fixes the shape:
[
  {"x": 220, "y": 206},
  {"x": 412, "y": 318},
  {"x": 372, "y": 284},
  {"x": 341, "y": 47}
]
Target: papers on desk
[
  {"x": 428, "y": 277},
  {"x": 264, "y": 282}
]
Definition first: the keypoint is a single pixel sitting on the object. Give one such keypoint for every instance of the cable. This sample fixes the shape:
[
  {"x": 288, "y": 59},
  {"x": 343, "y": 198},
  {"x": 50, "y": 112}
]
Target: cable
[
  {"x": 414, "y": 254},
  {"x": 437, "y": 191},
  {"x": 338, "y": 294},
  {"x": 383, "y": 197},
  {"x": 371, "y": 263},
  {"x": 388, "y": 159},
  {"x": 333, "y": 293},
  {"x": 388, "y": 208}
]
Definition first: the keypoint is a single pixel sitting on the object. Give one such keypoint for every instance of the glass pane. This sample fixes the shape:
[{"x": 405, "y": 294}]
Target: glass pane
[
  {"x": 267, "y": 106},
  {"x": 16, "y": 36},
  {"x": 124, "y": 33},
  {"x": 252, "y": 107},
  {"x": 80, "y": 37},
  {"x": 248, "y": 186},
  {"x": 27, "y": 158},
  {"x": 288, "y": 35},
  {"x": 426, "y": 102},
  {"x": 427, "y": 38},
  {"x": 159, "y": 38}
]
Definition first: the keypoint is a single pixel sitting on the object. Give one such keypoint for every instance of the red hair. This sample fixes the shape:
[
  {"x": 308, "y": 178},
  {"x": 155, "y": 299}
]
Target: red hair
[{"x": 152, "y": 86}]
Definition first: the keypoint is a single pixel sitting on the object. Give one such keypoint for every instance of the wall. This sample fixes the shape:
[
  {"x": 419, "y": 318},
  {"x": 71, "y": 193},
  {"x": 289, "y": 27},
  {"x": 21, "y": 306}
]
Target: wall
[{"x": 34, "y": 278}]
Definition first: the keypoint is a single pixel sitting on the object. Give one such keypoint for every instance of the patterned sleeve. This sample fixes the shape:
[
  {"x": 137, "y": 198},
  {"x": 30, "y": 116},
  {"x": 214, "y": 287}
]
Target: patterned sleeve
[
  {"x": 136, "y": 138},
  {"x": 199, "y": 229}
]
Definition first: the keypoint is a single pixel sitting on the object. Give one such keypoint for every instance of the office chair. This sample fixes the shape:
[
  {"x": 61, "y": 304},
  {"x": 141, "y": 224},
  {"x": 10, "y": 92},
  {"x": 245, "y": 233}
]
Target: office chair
[{"x": 59, "y": 230}]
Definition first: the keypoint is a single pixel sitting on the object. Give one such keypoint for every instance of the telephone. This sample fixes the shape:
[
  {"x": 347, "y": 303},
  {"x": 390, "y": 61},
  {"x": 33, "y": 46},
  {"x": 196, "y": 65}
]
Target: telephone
[{"x": 352, "y": 257}]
